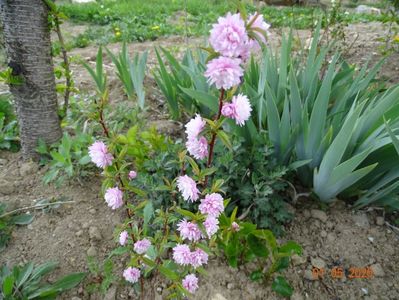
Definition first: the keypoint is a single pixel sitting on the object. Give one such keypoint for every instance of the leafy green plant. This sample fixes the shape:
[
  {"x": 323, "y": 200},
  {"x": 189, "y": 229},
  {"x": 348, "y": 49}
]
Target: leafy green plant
[
  {"x": 9, "y": 135},
  {"x": 26, "y": 282},
  {"x": 257, "y": 185},
  {"x": 8, "y": 220},
  {"x": 242, "y": 243},
  {"x": 182, "y": 76},
  {"x": 149, "y": 235},
  {"x": 304, "y": 99},
  {"x": 67, "y": 159},
  {"x": 131, "y": 73},
  {"x": 7, "y": 77},
  {"x": 333, "y": 123},
  {"x": 101, "y": 275}
]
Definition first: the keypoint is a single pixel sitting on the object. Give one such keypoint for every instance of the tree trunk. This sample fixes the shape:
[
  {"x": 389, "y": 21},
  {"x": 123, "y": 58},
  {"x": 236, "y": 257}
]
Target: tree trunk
[{"x": 28, "y": 48}]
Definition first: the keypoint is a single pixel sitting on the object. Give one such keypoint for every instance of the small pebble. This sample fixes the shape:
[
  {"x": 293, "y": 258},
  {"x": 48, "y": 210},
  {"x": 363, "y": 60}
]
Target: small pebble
[
  {"x": 298, "y": 260},
  {"x": 296, "y": 296},
  {"x": 95, "y": 234},
  {"x": 92, "y": 251},
  {"x": 318, "y": 262},
  {"x": 230, "y": 286},
  {"x": 378, "y": 270},
  {"x": 309, "y": 275},
  {"x": 319, "y": 215},
  {"x": 379, "y": 221}
]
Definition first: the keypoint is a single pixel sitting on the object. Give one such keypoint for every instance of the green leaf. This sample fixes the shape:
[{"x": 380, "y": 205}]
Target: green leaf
[
  {"x": 43, "y": 269},
  {"x": 208, "y": 171},
  {"x": 186, "y": 213},
  {"x": 256, "y": 275},
  {"x": 8, "y": 284},
  {"x": 299, "y": 163},
  {"x": 268, "y": 236},
  {"x": 233, "y": 261},
  {"x": 281, "y": 286},
  {"x": 233, "y": 214},
  {"x": 257, "y": 246},
  {"x": 148, "y": 213},
  {"x": 194, "y": 165},
  {"x": 204, "y": 98},
  {"x": 169, "y": 274},
  {"x": 23, "y": 219},
  {"x": 118, "y": 251},
  {"x": 148, "y": 262},
  {"x": 291, "y": 247},
  {"x": 24, "y": 274},
  {"x": 85, "y": 160},
  {"x": 225, "y": 139},
  {"x": 395, "y": 140},
  {"x": 282, "y": 263},
  {"x": 69, "y": 281}
]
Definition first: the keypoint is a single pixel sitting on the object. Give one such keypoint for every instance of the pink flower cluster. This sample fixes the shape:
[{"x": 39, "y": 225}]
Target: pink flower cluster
[
  {"x": 211, "y": 225},
  {"x": 235, "y": 227},
  {"x": 260, "y": 29},
  {"x": 224, "y": 72},
  {"x": 131, "y": 274},
  {"x": 184, "y": 256},
  {"x": 189, "y": 230},
  {"x": 142, "y": 246},
  {"x": 99, "y": 154},
  {"x": 196, "y": 145},
  {"x": 132, "y": 175},
  {"x": 190, "y": 283},
  {"x": 212, "y": 205},
  {"x": 114, "y": 197},
  {"x": 188, "y": 188},
  {"x": 239, "y": 109},
  {"x": 231, "y": 39},
  {"x": 123, "y": 238},
  {"x": 229, "y": 36}
]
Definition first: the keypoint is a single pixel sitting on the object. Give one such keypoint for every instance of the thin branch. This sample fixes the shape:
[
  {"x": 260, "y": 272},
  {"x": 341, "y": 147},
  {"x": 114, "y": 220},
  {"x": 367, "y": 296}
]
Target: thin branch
[
  {"x": 35, "y": 207},
  {"x": 213, "y": 140},
  {"x": 67, "y": 67}
]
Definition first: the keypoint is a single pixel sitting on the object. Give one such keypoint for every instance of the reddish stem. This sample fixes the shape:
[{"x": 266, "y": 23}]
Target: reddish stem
[
  {"x": 106, "y": 133},
  {"x": 142, "y": 287},
  {"x": 102, "y": 122},
  {"x": 213, "y": 139}
]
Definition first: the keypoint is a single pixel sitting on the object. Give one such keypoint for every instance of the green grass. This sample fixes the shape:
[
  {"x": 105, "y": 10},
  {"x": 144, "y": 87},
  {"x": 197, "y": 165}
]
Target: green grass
[{"x": 138, "y": 20}]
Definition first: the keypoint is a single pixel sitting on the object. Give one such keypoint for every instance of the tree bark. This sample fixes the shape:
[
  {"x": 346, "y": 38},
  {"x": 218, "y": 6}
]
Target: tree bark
[{"x": 28, "y": 48}]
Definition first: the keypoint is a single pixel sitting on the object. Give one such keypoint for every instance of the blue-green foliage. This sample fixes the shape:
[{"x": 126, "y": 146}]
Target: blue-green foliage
[
  {"x": 27, "y": 282},
  {"x": 317, "y": 111}
]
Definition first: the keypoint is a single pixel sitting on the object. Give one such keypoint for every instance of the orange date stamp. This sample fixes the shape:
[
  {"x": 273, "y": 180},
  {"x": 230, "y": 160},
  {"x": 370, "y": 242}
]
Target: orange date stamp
[{"x": 340, "y": 272}]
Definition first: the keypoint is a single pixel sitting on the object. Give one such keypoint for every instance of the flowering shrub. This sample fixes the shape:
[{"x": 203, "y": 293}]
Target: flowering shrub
[{"x": 178, "y": 239}]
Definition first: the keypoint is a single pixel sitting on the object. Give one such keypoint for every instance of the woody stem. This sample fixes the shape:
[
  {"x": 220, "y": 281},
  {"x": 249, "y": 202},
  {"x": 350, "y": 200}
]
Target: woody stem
[{"x": 213, "y": 139}]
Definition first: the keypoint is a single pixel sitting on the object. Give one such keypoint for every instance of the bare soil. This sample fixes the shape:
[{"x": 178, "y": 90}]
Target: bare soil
[{"x": 336, "y": 237}]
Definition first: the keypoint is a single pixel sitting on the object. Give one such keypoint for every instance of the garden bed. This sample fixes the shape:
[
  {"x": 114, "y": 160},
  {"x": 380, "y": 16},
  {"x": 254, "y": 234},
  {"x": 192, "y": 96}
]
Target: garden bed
[
  {"x": 331, "y": 238},
  {"x": 334, "y": 237}
]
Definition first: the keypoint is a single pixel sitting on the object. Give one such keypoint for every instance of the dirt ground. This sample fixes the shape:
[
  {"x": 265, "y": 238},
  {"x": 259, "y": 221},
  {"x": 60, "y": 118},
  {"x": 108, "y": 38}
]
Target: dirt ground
[{"x": 337, "y": 237}]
